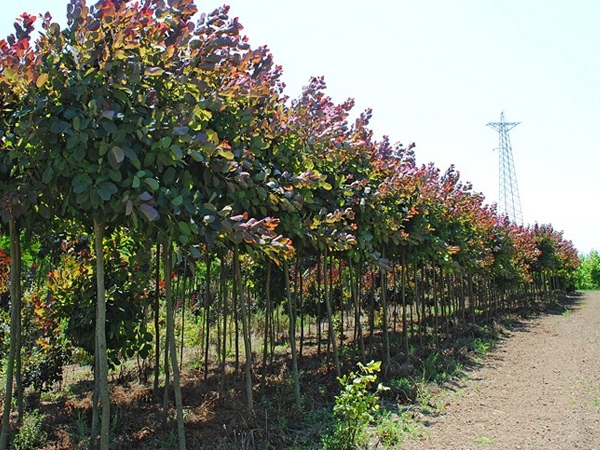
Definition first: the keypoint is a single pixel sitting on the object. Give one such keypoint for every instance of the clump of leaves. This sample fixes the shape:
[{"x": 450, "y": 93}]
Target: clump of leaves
[
  {"x": 31, "y": 434},
  {"x": 354, "y": 408}
]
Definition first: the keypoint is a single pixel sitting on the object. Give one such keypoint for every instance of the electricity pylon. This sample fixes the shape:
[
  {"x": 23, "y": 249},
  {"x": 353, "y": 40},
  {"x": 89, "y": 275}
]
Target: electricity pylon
[{"x": 509, "y": 202}]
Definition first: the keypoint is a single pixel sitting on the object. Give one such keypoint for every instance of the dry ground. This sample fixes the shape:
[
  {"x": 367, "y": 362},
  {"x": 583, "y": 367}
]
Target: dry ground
[{"x": 539, "y": 389}]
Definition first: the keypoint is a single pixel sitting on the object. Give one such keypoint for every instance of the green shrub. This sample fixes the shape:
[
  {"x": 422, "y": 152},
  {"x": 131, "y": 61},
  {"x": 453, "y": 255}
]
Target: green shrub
[
  {"x": 354, "y": 408},
  {"x": 30, "y": 435}
]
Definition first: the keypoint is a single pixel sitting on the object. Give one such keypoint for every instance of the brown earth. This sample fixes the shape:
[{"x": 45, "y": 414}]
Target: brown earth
[{"x": 539, "y": 389}]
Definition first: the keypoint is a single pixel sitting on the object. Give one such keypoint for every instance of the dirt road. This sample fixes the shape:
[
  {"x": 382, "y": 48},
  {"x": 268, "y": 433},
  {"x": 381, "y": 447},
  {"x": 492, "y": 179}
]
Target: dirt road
[{"x": 540, "y": 389}]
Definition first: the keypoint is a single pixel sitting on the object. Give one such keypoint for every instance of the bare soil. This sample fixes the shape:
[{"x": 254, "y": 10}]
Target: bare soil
[{"x": 539, "y": 388}]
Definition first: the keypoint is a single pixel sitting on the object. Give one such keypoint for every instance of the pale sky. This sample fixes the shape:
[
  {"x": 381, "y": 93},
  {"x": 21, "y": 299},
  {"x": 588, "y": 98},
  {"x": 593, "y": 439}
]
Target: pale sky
[{"x": 436, "y": 71}]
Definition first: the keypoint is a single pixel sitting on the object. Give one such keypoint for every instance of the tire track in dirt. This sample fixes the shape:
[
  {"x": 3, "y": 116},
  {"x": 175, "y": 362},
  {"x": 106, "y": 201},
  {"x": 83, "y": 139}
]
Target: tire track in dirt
[{"x": 539, "y": 389}]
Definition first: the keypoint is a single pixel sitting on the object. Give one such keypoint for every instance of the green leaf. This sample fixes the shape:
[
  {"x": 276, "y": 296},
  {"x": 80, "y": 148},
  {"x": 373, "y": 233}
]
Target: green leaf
[
  {"x": 72, "y": 141},
  {"x": 118, "y": 154},
  {"x": 79, "y": 153},
  {"x": 177, "y": 201},
  {"x": 47, "y": 175},
  {"x": 169, "y": 176},
  {"x": 177, "y": 151},
  {"x": 184, "y": 228},
  {"x": 116, "y": 176},
  {"x": 59, "y": 127},
  {"x": 152, "y": 183},
  {"x": 81, "y": 183},
  {"x": 109, "y": 126},
  {"x": 106, "y": 190},
  {"x": 197, "y": 156},
  {"x": 165, "y": 142},
  {"x": 131, "y": 155},
  {"x": 259, "y": 142}
]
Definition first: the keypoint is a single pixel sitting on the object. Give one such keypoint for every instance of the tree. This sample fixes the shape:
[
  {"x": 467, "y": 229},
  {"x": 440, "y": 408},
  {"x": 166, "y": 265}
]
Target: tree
[{"x": 17, "y": 191}]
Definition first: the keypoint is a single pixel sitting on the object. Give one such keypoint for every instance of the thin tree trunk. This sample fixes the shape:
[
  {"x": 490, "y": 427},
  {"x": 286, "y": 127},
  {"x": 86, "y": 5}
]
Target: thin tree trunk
[
  {"x": 403, "y": 295},
  {"x": 95, "y": 398},
  {"x": 332, "y": 339},
  {"x": 18, "y": 300},
  {"x": 268, "y": 308},
  {"x": 436, "y": 325},
  {"x": 101, "y": 351},
  {"x": 238, "y": 295},
  {"x": 166, "y": 388},
  {"x": 224, "y": 311},
  {"x": 318, "y": 318},
  {"x": 354, "y": 275},
  {"x": 207, "y": 304},
  {"x": 372, "y": 309},
  {"x": 301, "y": 302},
  {"x": 245, "y": 330},
  {"x": 167, "y": 267},
  {"x": 183, "y": 295},
  {"x": 15, "y": 301},
  {"x": 384, "y": 305},
  {"x": 418, "y": 301},
  {"x": 295, "y": 374},
  {"x": 157, "y": 322}
]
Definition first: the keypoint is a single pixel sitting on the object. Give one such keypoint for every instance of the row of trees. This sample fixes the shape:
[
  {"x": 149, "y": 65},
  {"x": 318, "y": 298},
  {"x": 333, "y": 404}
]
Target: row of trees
[{"x": 156, "y": 146}]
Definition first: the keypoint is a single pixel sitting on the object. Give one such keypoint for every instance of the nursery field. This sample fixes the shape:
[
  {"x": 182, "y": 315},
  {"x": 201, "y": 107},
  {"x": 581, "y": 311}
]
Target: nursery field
[{"x": 191, "y": 259}]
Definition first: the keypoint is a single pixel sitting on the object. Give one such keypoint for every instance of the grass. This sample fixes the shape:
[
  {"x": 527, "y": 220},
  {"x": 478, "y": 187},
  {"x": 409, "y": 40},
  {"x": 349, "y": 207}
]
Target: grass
[
  {"x": 392, "y": 429},
  {"x": 482, "y": 440},
  {"x": 481, "y": 347}
]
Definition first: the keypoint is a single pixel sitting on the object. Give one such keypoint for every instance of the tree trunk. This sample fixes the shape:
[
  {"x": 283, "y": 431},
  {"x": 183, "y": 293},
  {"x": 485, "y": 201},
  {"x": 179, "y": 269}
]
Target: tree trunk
[
  {"x": 167, "y": 267},
  {"x": 183, "y": 296},
  {"x": 101, "y": 351},
  {"x": 157, "y": 322},
  {"x": 332, "y": 340},
  {"x": 354, "y": 275},
  {"x": 18, "y": 334},
  {"x": 404, "y": 319},
  {"x": 386, "y": 337},
  {"x": 436, "y": 324},
  {"x": 295, "y": 374},
  {"x": 15, "y": 302},
  {"x": 268, "y": 308},
  {"x": 245, "y": 330},
  {"x": 300, "y": 299}
]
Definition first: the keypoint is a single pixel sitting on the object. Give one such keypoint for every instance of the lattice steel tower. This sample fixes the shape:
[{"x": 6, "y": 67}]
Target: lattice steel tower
[{"x": 509, "y": 202}]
